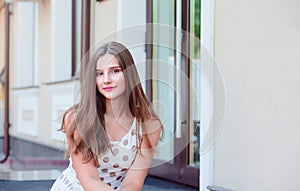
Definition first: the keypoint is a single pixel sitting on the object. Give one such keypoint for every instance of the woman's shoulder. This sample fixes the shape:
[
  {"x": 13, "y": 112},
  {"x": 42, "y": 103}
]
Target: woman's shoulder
[
  {"x": 152, "y": 131},
  {"x": 153, "y": 122},
  {"x": 69, "y": 118},
  {"x": 153, "y": 126}
]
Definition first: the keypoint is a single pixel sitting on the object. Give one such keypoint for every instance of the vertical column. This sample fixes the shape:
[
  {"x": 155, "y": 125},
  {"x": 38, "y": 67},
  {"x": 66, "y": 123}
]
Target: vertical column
[{"x": 85, "y": 32}]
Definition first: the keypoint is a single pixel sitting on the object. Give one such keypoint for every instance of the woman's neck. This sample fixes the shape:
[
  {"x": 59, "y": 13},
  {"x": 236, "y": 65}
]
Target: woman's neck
[{"x": 117, "y": 109}]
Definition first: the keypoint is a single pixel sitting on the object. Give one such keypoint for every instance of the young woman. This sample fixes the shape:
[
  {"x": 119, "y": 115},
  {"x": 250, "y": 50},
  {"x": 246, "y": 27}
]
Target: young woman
[{"x": 112, "y": 132}]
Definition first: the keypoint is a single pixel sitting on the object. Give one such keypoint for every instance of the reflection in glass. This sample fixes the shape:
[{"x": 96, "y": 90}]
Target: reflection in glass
[
  {"x": 163, "y": 58},
  {"x": 195, "y": 28}
]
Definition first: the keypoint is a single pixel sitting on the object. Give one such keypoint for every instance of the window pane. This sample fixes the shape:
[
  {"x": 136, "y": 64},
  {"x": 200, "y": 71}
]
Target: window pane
[
  {"x": 78, "y": 34},
  {"x": 163, "y": 74},
  {"x": 61, "y": 16},
  {"x": 27, "y": 44}
]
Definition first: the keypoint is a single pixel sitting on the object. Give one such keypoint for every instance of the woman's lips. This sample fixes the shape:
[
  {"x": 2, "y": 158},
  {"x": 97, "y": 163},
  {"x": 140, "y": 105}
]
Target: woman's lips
[{"x": 108, "y": 89}]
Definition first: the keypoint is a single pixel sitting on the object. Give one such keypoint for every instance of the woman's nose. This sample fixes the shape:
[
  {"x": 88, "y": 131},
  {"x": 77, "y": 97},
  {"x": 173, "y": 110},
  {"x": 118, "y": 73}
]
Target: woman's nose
[{"x": 107, "y": 77}]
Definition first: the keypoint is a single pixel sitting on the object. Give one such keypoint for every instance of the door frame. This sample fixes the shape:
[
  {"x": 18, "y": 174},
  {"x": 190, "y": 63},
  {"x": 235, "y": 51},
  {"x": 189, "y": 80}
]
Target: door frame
[{"x": 207, "y": 42}]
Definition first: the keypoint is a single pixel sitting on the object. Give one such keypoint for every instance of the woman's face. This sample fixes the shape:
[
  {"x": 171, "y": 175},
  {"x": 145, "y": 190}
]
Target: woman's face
[{"x": 110, "y": 78}]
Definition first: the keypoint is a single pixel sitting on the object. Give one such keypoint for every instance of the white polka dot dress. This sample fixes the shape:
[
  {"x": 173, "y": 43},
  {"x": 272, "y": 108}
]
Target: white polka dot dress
[{"x": 113, "y": 165}]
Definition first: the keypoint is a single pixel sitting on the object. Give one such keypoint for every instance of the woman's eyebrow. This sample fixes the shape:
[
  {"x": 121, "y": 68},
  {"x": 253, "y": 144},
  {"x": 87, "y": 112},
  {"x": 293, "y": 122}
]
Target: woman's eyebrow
[{"x": 113, "y": 67}]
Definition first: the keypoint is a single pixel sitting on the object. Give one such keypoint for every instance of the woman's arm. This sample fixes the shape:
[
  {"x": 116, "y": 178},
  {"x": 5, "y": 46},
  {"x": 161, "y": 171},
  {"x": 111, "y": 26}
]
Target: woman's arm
[
  {"x": 86, "y": 172},
  {"x": 137, "y": 173}
]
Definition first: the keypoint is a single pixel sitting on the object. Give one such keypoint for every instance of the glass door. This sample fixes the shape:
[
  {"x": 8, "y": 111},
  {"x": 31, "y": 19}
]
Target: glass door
[
  {"x": 176, "y": 88},
  {"x": 163, "y": 84}
]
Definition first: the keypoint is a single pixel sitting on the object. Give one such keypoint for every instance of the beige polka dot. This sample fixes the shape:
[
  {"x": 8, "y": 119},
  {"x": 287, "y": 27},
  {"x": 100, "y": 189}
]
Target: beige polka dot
[
  {"x": 115, "y": 151},
  {"x": 133, "y": 147},
  {"x": 104, "y": 170},
  {"x": 125, "y": 157},
  {"x": 116, "y": 165},
  {"x": 119, "y": 177},
  {"x": 105, "y": 159},
  {"x": 132, "y": 133},
  {"x": 125, "y": 142},
  {"x": 112, "y": 174}
]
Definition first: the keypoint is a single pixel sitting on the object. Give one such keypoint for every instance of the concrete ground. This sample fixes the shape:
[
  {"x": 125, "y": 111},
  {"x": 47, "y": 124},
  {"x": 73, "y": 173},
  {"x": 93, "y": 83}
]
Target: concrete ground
[
  {"x": 41, "y": 180},
  {"x": 151, "y": 184}
]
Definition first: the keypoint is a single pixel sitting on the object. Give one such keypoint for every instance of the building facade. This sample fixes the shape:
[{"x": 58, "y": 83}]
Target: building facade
[
  {"x": 49, "y": 41},
  {"x": 249, "y": 62}
]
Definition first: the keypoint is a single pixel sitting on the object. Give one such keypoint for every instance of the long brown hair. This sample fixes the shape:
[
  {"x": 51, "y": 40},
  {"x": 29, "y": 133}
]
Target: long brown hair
[{"x": 88, "y": 114}]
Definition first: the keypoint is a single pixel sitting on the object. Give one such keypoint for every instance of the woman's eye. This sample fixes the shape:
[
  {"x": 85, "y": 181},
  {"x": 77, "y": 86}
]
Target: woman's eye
[
  {"x": 99, "y": 73},
  {"x": 116, "y": 71}
]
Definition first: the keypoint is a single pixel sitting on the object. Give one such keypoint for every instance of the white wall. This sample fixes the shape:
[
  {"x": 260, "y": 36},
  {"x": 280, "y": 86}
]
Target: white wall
[{"x": 257, "y": 45}]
